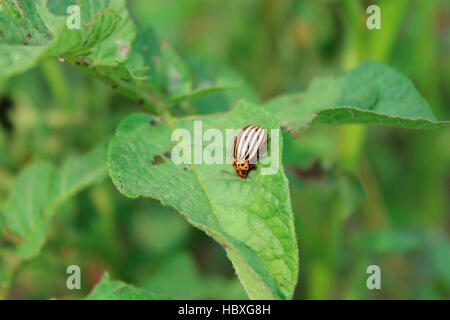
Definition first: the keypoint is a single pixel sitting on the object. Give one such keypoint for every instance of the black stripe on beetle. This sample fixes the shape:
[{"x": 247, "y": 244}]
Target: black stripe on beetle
[{"x": 247, "y": 145}]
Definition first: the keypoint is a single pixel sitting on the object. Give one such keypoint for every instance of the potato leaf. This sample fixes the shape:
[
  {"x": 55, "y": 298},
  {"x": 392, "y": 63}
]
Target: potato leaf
[
  {"x": 118, "y": 290},
  {"x": 372, "y": 93},
  {"x": 39, "y": 189},
  {"x": 251, "y": 218},
  {"x": 33, "y": 33},
  {"x": 108, "y": 46}
]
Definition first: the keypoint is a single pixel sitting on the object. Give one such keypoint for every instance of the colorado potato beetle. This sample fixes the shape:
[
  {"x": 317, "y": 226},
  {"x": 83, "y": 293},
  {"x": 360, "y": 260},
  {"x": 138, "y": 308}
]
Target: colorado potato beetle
[{"x": 247, "y": 145}]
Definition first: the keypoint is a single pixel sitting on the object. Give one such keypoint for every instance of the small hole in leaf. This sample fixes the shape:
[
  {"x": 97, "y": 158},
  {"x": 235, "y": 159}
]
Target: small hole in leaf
[{"x": 157, "y": 160}]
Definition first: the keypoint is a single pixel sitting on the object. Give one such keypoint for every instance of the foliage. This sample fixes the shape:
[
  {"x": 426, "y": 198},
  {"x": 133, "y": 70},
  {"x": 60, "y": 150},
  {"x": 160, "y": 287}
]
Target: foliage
[
  {"x": 343, "y": 189},
  {"x": 371, "y": 93},
  {"x": 252, "y": 219},
  {"x": 118, "y": 290},
  {"x": 39, "y": 189}
]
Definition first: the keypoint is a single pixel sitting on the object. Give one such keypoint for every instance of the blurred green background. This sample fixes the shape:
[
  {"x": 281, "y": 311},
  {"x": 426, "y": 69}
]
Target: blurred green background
[{"x": 360, "y": 196}]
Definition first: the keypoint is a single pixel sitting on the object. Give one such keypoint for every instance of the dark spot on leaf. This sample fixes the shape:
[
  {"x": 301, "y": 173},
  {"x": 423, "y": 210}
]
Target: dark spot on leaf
[
  {"x": 24, "y": 42},
  {"x": 185, "y": 168},
  {"x": 5, "y": 107},
  {"x": 141, "y": 101},
  {"x": 77, "y": 63},
  {"x": 84, "y": 43},
  {"x": 29, "y": 35},
  {"x": 114, "y": 86},
  {"x": 36, "y": 28},
  {"x": 281, "y": 284},
  {"x": 157, "y": 160},
  {"x": 153, "y": 122},
  {"x": 167, "y": 154}
]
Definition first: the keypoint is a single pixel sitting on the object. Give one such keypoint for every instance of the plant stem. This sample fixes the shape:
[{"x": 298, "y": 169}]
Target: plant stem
[{"x": 381, "y": 42}]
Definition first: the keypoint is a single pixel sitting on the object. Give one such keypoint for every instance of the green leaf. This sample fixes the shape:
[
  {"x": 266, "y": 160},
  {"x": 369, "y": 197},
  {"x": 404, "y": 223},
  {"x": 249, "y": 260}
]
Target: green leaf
[
  {"x": 118, "y": 290},
  {"x": 108, "y": 46},
  {"x": 27, "y": 39},
  {"x": 372, "y": 93},
  {"x": 213, "y": 74},
  {"x": 152, "y": 72},
  {"x": 39, "y": 189},
  {"x": 150, "y": 230},
  {"x": 251, "y": 218},
  {"x": 21, "y": 40}
]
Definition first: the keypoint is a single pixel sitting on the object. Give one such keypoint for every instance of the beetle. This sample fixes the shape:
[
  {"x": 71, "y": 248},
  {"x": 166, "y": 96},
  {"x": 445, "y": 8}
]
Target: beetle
[{"x": 247, "y": 145}]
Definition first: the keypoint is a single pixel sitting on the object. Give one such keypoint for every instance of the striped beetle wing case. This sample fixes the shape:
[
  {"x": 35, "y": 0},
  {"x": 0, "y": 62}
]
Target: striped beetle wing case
[{"x": 247, "y": 145}]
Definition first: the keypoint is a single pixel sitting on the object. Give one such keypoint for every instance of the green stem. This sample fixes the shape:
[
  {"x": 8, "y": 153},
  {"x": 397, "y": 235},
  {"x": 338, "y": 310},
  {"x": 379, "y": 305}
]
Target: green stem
[
  {"x": 354, "y": 35},
  {"x": 381, "y": 42},
  {"x": 352, "y": 136},
  {"x": 352, "y": 139}
]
